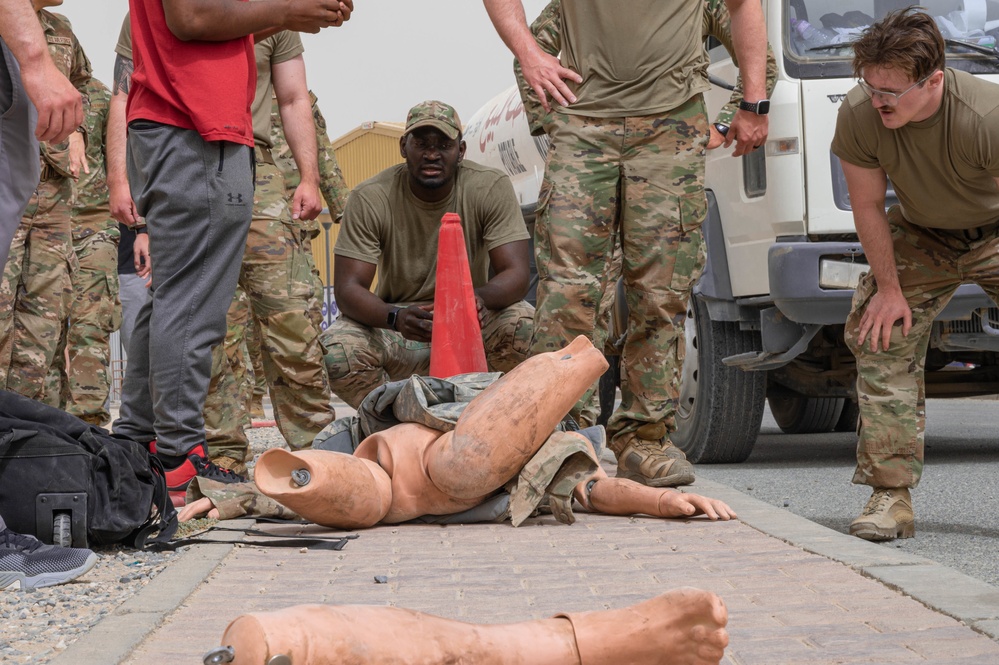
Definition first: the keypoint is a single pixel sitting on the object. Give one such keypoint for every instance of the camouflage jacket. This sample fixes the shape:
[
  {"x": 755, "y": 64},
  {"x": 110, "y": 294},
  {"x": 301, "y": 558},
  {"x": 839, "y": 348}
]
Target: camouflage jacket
[
  {"x": 70, "y": 59},
  {"x": 331, "y": 182},
  {"x": 547, "y": 31},
  {"x": 89, "y": 210}
]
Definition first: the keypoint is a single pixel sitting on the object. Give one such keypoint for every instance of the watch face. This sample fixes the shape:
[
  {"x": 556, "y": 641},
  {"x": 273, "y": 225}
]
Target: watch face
[{"x": 763, "y": 107}]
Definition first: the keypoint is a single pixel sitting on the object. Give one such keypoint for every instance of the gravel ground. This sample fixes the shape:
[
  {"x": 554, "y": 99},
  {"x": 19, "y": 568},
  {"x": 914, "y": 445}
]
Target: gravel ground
[{"x": 36, "y": 625}]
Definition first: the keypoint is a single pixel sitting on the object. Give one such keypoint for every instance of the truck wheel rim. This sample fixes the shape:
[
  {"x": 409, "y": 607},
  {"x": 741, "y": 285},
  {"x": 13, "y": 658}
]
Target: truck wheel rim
[{"x": 689, "y": 372}]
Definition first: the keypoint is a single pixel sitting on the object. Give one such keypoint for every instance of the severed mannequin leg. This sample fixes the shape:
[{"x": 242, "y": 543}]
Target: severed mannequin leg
[
  {"x": 505, "y": 425},
  {"x": 681, "y": 627}
]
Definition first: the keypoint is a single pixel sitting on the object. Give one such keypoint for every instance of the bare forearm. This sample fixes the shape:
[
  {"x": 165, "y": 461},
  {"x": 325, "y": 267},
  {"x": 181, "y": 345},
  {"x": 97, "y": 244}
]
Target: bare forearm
[
  {"x": 22, "y": 32},
  {"x": 511, "y": 24},
  {"x": 116, "y": 137},
  {"x": 362, "y": 305},
  {"x": 749, "y": 37},
  {"x": 875, "y": 236},
  {"x": 300, "y": 130},
  {"x": 222, "y": 20},
  {"x": 504, "y": 289}
]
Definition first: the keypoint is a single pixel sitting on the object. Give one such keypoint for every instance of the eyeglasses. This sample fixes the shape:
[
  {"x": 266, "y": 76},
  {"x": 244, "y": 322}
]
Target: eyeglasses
[{"x": 891, "y": 98}]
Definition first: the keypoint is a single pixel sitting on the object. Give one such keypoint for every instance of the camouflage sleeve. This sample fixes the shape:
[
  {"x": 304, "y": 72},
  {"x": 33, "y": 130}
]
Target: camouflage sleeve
[
  {"x": 547, "y": 32},
  {"x": 718, "y": 24},
  {"x": 331, "y": 183},
  {"x": 82, "y": 71}
]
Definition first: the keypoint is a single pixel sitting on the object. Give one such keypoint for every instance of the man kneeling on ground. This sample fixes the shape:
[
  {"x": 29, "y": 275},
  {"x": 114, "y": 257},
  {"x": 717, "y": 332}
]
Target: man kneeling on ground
[{"x": 391, "y": 224}]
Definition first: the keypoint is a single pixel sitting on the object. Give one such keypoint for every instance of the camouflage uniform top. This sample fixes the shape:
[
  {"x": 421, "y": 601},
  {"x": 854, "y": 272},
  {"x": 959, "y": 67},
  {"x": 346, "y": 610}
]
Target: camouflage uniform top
[
  {"x": 72, "y": 62},
  {"x": 331, "y": 182},
  {"x": 89, "y": 210},
  {"x": 547, "y": 30}
]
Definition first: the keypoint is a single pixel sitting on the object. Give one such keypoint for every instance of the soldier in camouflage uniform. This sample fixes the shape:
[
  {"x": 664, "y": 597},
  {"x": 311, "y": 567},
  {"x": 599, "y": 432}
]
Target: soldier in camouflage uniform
[
  {"x": 928, "y": 129},
  {"x": 547, "y": 32},
  {"x": 334, "y": 191},
  {"x": 629, "y": 133},
  {"x": 37, "y": 290},
  {"x": 391, "y": 225},
  {"x": 82, "y": 385},
  {"x": 277, "y": 274}
]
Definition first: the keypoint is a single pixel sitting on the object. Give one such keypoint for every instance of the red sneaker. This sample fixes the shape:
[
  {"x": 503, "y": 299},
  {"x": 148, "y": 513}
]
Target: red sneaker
[{"x": 196, "y": 464}]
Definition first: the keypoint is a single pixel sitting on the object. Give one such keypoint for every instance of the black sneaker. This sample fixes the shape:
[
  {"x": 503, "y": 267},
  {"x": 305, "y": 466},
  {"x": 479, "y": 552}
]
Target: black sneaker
[
  {"x": 196, "y": 464},
  {"x": 25, "y": 563}
]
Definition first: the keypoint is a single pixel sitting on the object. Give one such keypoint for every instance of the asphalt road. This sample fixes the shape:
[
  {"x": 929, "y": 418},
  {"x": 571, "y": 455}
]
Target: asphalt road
[{"x": 956, "y": 503}]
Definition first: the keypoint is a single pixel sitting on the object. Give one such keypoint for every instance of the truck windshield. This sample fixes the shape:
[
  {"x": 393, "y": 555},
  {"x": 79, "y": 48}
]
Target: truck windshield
[{"x": 819, "y": 32}]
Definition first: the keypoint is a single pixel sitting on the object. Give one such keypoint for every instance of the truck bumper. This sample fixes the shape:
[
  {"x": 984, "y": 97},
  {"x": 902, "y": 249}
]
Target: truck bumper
[{"x": 794, "y": 285}]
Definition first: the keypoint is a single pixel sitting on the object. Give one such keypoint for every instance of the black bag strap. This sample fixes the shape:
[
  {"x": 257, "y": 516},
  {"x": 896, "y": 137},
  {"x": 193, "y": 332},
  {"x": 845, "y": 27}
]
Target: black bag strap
[
  {"x": 164, "y": 521},
  {"x": 333, "y": 543}
]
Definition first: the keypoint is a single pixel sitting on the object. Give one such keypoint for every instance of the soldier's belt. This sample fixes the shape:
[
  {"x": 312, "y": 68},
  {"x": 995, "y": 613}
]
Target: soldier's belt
[
  {"x": 263, "y": 155},
  {"x": 50, "y": 172}
]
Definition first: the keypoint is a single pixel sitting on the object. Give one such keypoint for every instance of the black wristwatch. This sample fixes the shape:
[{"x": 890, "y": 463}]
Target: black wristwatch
[
  {"x": 721, "y": 128},
  {"x": 761, "y": 107},
  {"x": 393, "y": 316},
  {"x": 141, "y": 229}
]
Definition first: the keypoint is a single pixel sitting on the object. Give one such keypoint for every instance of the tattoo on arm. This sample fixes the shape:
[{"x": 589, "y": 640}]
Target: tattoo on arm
[{"x": 122, "y": 74}]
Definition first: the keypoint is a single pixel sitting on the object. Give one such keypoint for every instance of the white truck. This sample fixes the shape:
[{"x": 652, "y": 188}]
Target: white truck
[{"x": 766, "y": 319}]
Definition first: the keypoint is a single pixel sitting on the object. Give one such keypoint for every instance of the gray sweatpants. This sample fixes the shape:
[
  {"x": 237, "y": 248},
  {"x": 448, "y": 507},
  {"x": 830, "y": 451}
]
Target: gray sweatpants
[
  {"x": 133, "y": 294},
  {"x": 197, "y": 199},
  {"x": 19, "y": 163}
]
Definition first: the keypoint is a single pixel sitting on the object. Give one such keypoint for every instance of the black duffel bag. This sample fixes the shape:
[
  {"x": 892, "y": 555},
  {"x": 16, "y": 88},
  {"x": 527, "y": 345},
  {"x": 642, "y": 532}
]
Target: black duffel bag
[{"x": 70, "y": 483}]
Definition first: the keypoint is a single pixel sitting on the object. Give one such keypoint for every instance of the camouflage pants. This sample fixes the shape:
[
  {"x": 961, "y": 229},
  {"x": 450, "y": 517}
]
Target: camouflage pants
[
  {"x": 37, "y": 290},
  {"x": 890, "y": 384},
  {"x": 278, "y": 279},
  {"x": 80, "y": 378},
  {"x": 256, "y": 360},
  {"x": 637, "y": 182},
  {"x": 227, "y": 407},
  {"x": 359, "y": 358}
]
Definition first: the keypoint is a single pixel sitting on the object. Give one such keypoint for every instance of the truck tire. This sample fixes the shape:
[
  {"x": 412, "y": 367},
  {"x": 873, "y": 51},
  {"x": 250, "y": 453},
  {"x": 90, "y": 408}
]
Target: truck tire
[
  {"x": 798, "y": 414},
  {"x": 720, "y": 408},
  {"x": 848, "y": 419}
]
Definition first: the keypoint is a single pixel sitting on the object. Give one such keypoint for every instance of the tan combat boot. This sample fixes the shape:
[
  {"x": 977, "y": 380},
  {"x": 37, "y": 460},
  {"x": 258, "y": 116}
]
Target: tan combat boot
[
  {"x": 234, "y": 465},
  {"x": 887, "y": 515},
  {"x": 647, "y": 457}
]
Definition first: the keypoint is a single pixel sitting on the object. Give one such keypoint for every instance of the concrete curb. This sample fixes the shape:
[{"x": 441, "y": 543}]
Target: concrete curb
[
  {"x": 112, "y": 639},
  {"x": 942, "y": 589}
]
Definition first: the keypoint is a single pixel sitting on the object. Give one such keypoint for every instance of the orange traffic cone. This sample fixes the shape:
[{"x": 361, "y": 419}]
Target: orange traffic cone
[{"x": 456, "y": 344}]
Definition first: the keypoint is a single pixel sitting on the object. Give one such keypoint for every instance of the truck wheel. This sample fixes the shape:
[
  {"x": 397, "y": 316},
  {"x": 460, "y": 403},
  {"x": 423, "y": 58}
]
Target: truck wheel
[
  {"x": 798, "y": 414},
  {"x": 609, "y": 382},
  {"x": 720, "y": 408},
  {"x": 848, "y": 419},
  {"x": 62, "y": 529}
]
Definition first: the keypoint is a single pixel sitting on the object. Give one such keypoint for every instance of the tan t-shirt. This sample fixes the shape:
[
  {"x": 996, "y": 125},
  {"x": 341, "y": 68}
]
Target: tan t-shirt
[
  {"x": 274, "y": 50},
  {"x": 943, "y": 167},
  {"x": 636, "y": 58},
  {"x": 385, "y": 224},
  {"x": 124, "y": 45}
]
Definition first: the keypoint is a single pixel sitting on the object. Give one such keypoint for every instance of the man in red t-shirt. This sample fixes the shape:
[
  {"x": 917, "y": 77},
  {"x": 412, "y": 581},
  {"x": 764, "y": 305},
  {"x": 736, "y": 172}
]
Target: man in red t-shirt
[{"x": 190, "y": 171}]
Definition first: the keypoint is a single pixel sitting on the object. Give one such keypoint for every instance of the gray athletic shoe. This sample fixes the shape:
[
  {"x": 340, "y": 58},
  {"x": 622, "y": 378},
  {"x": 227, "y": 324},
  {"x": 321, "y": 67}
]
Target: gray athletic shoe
[{"x": 25, "y": 563}]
